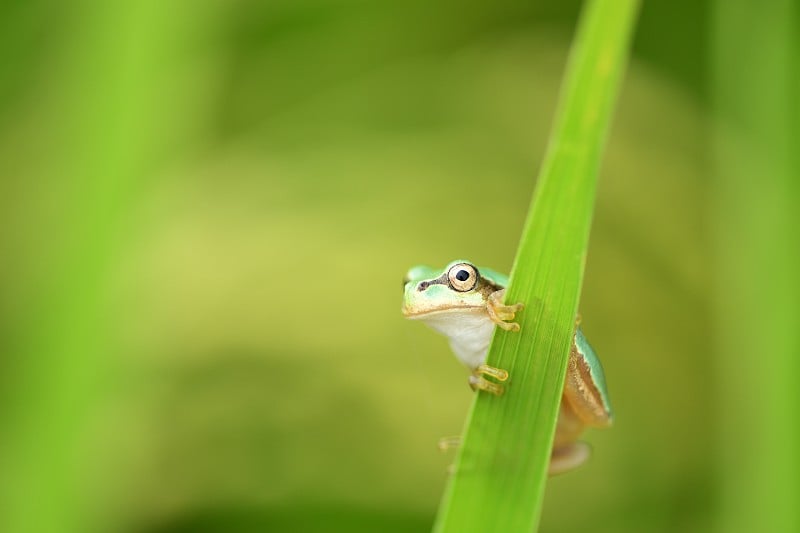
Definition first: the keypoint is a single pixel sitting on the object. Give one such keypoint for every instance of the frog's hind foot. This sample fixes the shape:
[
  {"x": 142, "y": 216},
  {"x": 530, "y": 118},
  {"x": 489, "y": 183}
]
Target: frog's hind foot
[
  {"x": 568, "y": 457},
  {"x": 446, "y": 444},
  {"x": 501, "y": 313},
  {"x": 449, "y": 443}
]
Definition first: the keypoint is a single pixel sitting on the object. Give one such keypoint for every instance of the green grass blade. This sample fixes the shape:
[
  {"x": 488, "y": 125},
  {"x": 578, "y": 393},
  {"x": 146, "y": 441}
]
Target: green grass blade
[
  {"x": 501, "y": 469},
  {"x": 757, "y": 231}
]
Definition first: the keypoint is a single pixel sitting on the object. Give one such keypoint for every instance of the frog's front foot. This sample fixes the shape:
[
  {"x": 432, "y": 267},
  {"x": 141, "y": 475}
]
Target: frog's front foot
[
  {"x": 500, "y": 313},
  {"x": 478, "y": 382}
]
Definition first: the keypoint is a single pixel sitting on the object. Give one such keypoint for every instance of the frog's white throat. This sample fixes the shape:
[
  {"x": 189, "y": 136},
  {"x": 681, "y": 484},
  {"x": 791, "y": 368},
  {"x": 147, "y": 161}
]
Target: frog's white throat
[{"x": 469, "y": 331}]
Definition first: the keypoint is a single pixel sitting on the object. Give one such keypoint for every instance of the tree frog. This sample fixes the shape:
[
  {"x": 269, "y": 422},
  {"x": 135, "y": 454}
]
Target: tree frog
[{"x": 465, "y": 303}]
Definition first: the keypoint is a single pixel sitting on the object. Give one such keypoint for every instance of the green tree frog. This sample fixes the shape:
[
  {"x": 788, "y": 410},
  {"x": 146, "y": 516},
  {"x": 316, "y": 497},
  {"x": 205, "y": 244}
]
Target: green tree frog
[{"x": 466, "y": 304}]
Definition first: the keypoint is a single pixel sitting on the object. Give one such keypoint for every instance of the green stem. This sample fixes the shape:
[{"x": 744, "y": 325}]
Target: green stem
[{"x": 501, "y": 469}]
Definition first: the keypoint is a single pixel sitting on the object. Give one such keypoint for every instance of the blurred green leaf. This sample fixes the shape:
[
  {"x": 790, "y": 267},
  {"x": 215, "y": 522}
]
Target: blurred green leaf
[{"x": 756, "y": 82}]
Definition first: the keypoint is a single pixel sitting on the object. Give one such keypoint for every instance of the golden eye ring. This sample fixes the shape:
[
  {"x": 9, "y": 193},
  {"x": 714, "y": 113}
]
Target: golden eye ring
[{"x": 462, "y": 277}]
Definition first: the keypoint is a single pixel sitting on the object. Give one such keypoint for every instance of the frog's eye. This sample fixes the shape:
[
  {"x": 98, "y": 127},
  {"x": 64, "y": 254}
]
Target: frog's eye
[{"x": 462, "y": 277}]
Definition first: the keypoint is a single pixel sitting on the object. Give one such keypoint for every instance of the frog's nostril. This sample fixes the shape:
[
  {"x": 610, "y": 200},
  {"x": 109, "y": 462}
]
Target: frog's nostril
[{"x": 422, "y": 286}]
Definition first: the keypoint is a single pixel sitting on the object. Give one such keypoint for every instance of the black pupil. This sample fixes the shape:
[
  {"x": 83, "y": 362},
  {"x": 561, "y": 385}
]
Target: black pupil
[{"x": 462, "y": 275}]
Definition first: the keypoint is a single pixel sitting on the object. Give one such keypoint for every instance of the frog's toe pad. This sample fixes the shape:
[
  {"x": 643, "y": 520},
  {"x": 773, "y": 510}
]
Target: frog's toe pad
[
  {"x": 569, "y": 457},
  {"x": 497, "y": 373}
]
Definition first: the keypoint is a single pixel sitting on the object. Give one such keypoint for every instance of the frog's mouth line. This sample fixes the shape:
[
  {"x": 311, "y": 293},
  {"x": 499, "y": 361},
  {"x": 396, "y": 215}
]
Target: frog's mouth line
[{"x": 441, "y": 311}]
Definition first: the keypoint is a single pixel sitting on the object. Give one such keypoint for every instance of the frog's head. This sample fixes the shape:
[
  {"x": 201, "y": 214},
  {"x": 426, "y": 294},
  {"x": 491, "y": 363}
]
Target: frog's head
[{"x": 457, "y": 288}]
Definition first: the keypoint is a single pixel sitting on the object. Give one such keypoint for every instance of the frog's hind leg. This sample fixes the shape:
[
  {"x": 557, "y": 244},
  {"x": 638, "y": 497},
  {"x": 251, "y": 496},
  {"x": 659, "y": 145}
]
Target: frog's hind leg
[
  {"x": 568, "y": 457},
  {"x": 581, "y": 390},
  {"x": 568, "y": 452}
]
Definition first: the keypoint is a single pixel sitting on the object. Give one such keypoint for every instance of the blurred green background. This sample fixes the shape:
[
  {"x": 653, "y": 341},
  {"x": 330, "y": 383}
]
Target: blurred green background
[{"x": 207, "y": 211}]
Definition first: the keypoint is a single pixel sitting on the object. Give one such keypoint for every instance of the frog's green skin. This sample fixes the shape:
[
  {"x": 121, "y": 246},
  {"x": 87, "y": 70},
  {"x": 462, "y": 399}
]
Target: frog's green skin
[{"x": 463, "y": 311}]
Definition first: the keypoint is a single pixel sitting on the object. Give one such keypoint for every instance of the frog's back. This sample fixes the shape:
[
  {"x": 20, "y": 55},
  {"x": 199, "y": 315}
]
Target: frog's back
[{"x": 496, "y": 278}]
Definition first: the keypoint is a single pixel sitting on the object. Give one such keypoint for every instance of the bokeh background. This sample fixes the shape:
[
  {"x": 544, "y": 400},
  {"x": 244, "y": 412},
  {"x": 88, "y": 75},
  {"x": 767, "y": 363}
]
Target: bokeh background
[{"x": 207, "y": 211}]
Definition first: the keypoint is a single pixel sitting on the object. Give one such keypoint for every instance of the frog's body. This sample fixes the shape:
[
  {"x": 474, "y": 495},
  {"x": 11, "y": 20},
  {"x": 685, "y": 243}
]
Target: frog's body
[{"x": 465, "y": 304}]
